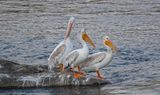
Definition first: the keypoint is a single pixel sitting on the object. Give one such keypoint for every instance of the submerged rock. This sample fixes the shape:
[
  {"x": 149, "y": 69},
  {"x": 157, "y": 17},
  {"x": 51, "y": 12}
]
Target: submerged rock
[{"x": 22, "y": 75}]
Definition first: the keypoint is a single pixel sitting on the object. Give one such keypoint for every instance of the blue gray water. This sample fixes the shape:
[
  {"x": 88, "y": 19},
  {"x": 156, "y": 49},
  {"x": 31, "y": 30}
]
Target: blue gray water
[{"x": 30, "y": 30}]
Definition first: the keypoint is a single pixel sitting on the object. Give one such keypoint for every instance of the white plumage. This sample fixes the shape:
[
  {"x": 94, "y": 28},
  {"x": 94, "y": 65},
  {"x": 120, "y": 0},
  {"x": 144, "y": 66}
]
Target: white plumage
[
  {"x": 63, "y": 48},
  {"x": 76, "y": 56},
  {"x": 99, "y": 60}
]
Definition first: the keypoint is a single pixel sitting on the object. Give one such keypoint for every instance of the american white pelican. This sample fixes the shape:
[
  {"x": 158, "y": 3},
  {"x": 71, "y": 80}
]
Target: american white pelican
[
  {"x": 63, "y": 48},
  {"x": 76, "y": 56},
  {"x": 99, "y": 60}
]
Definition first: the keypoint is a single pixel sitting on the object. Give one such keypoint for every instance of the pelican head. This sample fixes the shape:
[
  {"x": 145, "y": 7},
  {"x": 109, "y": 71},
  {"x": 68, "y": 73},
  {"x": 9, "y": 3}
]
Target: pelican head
[
  {"x": 109, "y": 43},
  {"x": 86, "y": 38},
  {"x": 69, "y": 27}
]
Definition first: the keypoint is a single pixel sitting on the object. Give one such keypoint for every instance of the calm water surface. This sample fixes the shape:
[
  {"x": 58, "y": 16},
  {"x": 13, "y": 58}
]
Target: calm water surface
[{"x": 30, "y": 30}]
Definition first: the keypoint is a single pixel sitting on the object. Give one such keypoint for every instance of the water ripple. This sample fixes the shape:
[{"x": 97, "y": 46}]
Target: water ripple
[{"x": 30, "y": 30}]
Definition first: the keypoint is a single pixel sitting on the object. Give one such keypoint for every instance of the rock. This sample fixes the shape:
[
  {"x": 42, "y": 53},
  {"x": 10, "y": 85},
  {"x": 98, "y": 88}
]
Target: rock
[{"x": 21, "y": 75}]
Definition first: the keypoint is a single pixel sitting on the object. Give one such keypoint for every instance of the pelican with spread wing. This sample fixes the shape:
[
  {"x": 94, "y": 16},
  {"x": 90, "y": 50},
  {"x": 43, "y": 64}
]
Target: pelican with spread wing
[
  {"x": 73, "y": 59},
  {"x": 99, "y": 60},
  {"x": 63, "y": 48}
]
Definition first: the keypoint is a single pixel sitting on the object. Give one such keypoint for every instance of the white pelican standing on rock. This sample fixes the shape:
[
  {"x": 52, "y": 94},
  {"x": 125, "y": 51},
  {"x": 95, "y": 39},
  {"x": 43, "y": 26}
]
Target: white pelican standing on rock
[
  {"x": 76, "y": 56},
  {"x": 97, "y": 61},
  {"x": 63, "y": 48}
]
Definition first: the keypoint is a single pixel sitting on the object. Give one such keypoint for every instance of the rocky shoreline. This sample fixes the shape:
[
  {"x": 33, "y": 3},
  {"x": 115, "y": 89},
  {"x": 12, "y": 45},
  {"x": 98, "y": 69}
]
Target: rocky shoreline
[{"x": 23, "y": 76}]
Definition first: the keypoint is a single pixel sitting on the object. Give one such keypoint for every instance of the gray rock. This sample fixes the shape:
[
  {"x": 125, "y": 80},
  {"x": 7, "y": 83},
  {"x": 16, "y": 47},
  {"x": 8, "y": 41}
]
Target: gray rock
[{"x": 21, "y": 75}]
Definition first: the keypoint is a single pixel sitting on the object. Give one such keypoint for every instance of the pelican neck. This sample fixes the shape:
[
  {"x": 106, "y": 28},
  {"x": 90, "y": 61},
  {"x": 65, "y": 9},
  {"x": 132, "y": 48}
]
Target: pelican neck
[{"x": 109, "y": 50}]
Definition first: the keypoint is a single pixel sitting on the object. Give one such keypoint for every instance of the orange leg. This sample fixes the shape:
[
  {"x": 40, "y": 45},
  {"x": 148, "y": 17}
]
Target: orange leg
[
  {"x": 77, "y": 75},
  {"x": 99, "y": 76},
  {"x": 79, "y": 69},
  {"x": 61, "y": 67},
  {"x": 81, "y": 72}
]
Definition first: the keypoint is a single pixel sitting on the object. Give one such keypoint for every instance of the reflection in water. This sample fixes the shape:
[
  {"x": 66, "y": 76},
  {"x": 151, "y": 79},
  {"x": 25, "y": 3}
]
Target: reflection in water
[
  {"x": 30, "y": 30},
  {"x": 86, "y": 90},
  {"x": 57, "y": 90}
]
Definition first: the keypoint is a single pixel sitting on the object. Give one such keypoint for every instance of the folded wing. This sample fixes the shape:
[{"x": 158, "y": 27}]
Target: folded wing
[
  {"x": 93, "y": 59},
  {"x": 70, "y": 58},
  {"x": 57, "y": 54}
]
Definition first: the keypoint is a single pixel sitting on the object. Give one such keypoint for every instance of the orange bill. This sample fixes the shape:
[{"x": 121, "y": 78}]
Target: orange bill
[
  {"x": 69, "y": 27},
  {"x": 87, "y": 39},
  {"x": 111, "y": 45}
]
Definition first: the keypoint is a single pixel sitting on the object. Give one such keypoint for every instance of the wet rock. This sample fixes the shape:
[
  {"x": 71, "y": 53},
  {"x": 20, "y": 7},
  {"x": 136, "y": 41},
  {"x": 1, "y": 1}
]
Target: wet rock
[{"x": 22, "y": 75}]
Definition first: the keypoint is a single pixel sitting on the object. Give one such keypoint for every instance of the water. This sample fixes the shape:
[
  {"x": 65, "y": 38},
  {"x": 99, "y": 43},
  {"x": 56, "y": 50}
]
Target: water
[{"x": 30, "y": 30}]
